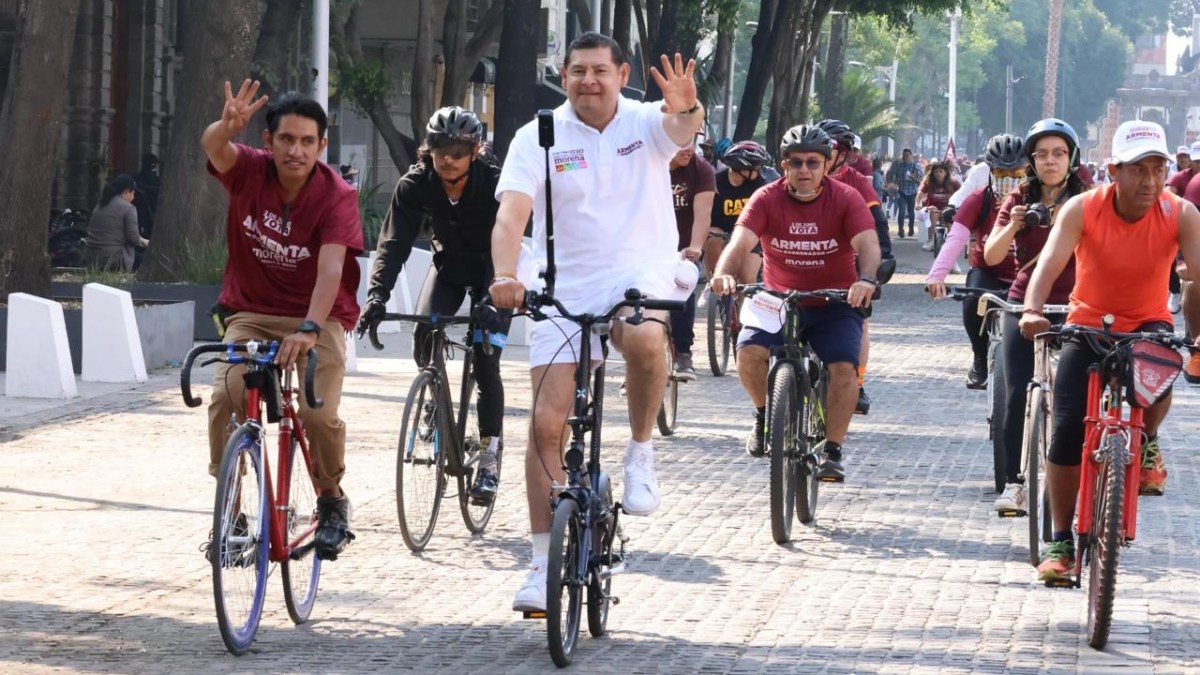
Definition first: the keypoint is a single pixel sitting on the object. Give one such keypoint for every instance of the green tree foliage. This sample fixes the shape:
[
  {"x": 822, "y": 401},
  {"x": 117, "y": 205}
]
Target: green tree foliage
[
  {"x": 1149, "y": 16},
  {"x": 865, "y": 106}
]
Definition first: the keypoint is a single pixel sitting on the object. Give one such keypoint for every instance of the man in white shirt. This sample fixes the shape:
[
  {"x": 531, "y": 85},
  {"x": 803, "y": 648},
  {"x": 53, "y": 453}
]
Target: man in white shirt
[
  {"x": 614, "y": 228},
  {"x": 978, "y": 177}
]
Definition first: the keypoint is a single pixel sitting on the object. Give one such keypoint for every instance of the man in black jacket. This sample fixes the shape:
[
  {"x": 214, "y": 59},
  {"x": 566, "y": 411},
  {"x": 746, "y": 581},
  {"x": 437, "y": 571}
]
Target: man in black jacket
[{"x": 451, "y": 191}]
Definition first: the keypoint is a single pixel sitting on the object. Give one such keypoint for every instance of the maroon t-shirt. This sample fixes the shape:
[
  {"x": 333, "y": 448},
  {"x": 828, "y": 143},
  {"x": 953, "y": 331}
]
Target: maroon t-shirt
[
  {"x": 687, "y": 181},
  {"x": 1192, "y": 192},
  {"x": 1180, "y": 181},
  {"x": 806, "y": 246},
  {"x": 863, "y": 166},
  {"x": 937, "y": 195},
  {"x": 273, "y": 246},
  {"x": 1027, "y": 245},
  {"x": 970, "y": 216},
  {"x": 861, "y": 184}
]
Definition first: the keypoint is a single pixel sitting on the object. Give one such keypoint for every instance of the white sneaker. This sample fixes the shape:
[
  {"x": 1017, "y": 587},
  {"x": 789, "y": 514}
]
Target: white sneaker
[
  {"x": 1173, "y": 303},
  {"x": 532, "y": 596},
  {"x": 927, "y": 246},
  {"x": 1012, "y": 499},
  {"x": 641, "y": 488},
  {"x": 702, "y": 301}
]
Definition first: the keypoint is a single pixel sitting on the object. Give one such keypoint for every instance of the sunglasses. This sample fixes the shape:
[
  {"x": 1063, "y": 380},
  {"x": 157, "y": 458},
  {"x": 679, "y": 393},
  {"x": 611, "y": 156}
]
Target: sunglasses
[{"x": 810, "y": 164}]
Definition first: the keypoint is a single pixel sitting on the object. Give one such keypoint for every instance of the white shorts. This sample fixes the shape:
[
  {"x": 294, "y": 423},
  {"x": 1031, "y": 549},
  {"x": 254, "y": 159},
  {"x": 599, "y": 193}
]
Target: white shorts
[{"x": 557, "y": 340}]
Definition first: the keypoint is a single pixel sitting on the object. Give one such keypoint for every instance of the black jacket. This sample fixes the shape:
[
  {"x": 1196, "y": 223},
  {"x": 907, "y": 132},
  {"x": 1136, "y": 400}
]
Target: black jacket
[{"x": 462, "y": 232}]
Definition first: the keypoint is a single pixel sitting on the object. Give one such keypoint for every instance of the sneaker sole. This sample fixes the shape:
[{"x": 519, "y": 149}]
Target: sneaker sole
[
  {"x": 981, "y": 386},
  {"x": 530, "y": 609},
  {"x": 629, "y": 512},
  {"x": 1191, "y": 379}
]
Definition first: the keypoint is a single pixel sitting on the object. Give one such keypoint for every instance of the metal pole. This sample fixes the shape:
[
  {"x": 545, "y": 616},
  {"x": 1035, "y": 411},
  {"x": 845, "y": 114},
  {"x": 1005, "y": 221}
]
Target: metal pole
[
  {"x": 892, "y": 97},
  {"x": 727, "y": 118},
  {"x": 596, "y": 9},
  {"x": 953, "y": 71},
  {"x": 1008, "y": 94},
  {"x": 320, "y": 55}
]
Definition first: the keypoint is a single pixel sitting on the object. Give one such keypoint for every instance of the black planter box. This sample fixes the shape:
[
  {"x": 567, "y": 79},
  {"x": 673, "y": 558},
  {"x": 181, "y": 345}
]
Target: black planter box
[{"x": 204, "y": 297}]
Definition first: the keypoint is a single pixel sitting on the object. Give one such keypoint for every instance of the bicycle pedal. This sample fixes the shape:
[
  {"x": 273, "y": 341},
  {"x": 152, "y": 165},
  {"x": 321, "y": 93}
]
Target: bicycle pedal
[
  {"x": 1060, "y": 583},
  {"x": 301, "y": 551},
  {"x": 831, "y": 479},
  {"x": 533, "y": 615},
  {"x": 1150, "y": 492},
  {"x": 1011, "y": 513}
]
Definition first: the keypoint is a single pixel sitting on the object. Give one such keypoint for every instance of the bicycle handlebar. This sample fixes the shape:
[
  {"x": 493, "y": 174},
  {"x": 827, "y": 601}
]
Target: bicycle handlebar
[
  {"x": 1002, "y": 305},
  {"x": 1162, "y": 337},
  {"x": 634, "y": 298},
  {"x": 265, "y": 360},
  {"x": 427, "y": 319},
  {"x": 829, "y": 294}
]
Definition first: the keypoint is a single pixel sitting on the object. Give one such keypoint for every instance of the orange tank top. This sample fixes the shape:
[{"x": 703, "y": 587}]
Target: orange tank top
[{"x": 1123, "y": 268}]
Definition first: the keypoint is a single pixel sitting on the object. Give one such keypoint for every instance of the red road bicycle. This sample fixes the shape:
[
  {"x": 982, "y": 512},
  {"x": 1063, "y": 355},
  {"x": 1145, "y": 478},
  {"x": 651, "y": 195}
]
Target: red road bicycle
[
  {"x": 257, "y": 522},
  {"x": 1136, "y": 371}
]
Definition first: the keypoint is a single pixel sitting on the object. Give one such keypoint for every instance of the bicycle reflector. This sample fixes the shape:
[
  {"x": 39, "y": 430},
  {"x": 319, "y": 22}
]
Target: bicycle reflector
[{"x": 1153, "y": 367}]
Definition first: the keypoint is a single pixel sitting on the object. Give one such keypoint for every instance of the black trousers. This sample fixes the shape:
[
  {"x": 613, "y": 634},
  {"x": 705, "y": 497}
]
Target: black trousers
[{"x": 972, "y": 322}]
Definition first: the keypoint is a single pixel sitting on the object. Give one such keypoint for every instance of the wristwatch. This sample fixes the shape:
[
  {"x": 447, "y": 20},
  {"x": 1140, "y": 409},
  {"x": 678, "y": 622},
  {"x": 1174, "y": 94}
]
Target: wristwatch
[
  {"x": 869, "y": 280},
  {"x": 309, "y": 327}
]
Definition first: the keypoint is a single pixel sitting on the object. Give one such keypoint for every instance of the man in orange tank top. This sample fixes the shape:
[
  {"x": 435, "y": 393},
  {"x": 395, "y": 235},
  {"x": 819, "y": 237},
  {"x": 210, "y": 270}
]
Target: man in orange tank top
[{"x": 1124, "y": 237}]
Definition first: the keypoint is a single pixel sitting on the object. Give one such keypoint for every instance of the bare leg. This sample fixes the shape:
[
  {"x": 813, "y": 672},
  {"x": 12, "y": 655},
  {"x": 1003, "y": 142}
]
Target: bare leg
[
  {"x": 752, "y": 371},
  {"x": 1062, "y": 484},
  {"x": 554, "y": 388},
  {"x": 645, "y": 371},
  {"x": 843, "y": 395}
]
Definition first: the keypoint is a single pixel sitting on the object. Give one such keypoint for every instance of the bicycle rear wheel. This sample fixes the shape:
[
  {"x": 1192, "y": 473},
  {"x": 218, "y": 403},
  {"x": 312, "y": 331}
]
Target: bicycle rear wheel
[
  {"x": 783, "y": 415},
  {"x": 668, "y": 414},
  {"x": 1033, "y": 449},
  {"x": 302, "y": 575},
  {"x": 564, "y": 583},
  {"x": 241, "y": 535},
  {"x": 1105, "y": 543},
  {"x": 812, "y": 417},
  {"x": 475, "y": 516},
  {"x": 718, "y": 329},
  {"x": 420, "y": 463},
  {"x": 997, "y": 394}
]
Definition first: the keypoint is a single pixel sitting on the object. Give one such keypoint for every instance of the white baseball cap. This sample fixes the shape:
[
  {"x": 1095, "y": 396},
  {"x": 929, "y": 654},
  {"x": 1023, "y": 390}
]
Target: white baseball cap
[
  {"x": 1136, "y": 140},
  {"x": 1183, "y": 150},
  {"x": 1194, "y": 152},
  {"x": 857, "y": 142}
]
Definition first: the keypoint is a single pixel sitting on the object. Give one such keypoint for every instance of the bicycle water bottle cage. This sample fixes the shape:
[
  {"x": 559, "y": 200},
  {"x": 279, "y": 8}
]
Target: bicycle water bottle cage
[{"x": 267, "y": 383}]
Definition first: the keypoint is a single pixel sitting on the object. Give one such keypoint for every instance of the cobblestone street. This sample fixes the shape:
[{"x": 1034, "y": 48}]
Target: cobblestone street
[{"x": 907, "y": 568}]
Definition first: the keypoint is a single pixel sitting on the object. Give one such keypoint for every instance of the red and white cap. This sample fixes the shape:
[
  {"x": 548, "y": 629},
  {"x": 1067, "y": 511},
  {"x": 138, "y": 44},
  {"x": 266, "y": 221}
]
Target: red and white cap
[
  {"x": 1194, "y": 152},
  {"x": 1137, "y": 140}
]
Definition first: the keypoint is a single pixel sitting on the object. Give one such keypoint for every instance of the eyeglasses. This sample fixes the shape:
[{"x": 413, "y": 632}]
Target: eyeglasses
[
  {"x": 1057, "y": 155},
  {"x": 453, "y": 152},
  {"x": 810, "y": 164}
]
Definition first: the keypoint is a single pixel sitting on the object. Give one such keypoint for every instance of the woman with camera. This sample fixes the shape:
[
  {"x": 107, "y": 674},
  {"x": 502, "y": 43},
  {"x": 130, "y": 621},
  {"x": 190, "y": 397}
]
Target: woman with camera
[{"x": 1022, "y": 228}]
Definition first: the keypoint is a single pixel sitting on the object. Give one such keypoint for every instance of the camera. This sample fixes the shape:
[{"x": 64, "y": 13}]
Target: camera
[{"x": 1037, "y": 216}]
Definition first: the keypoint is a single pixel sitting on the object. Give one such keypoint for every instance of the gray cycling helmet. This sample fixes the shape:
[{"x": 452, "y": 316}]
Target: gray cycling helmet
[
  {"x": 1052, "y": 126},
  {"x": 840, "y": 132},
  {"x": 1005, "y": 151},
  {"x": 454, "y": 123},
  {"x": 806, "y": 138}
]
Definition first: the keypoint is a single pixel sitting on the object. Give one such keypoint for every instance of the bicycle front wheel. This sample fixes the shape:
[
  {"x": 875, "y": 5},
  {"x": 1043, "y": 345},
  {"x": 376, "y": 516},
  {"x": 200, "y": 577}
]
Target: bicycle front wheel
[
  {"x": 783, "y": 426},
  {"x": 420, "y": 460},
  {"x": 668, "y": 414},
  {"x": 475, "y": 516},
  {"x": 718, "y": 329},
  {"x": 1033, "y": 449},
  {"x": 241, "y": 535},
  {"x": 1104, "y": 544},
  {"x": 996, "y": 391},
  {"x": 300, "y": 575},
  {"x": 564, "y": 582}
]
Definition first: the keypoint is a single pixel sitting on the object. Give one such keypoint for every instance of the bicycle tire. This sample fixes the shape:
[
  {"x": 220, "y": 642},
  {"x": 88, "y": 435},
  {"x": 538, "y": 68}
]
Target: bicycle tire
[
  {"x": 599, "y": 591},
  {"x": 1104, "y": 545},
  {"x": 668, "y": 412},
  {"x": 812, "y": 433},
  {"x": 475, "y": 517},
  {"x": 998, "y": 393},
  {"x": 718, "y": 326},
  {"x": 939, "y": 240},
  {"x": 419, "y": 458},
  {"x": 240, "y": 560},
  {"x": 782, "y": 425},
  {"x": 1033, "y": 449},
  {"x": 302, "y": 577},
  {"x": 562, "y": 579}
]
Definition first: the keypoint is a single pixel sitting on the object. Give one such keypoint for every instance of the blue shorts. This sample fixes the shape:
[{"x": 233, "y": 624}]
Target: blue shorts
[{"x": 834, "y": 332}]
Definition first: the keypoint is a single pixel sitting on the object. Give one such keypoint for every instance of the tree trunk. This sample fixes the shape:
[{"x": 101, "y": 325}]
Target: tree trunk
[
  {"x": 643, "y": 38},
  {"x": 654, "y": 12},
  {"x": 271, "y": 54},
  {"x": 460, "y": 63},
  {"x": 516, "y": 88},
  {"x": 454, "y": 39},
  {"x": 423, "y": 74},
  {"x": 606, "y": 18},
  {"x": 664, "y": 42},
  {"x": 787, "y": 20},
  {"x": 583, "y": 14},
  {"x": 835, "y": 66},
  {"x": 33, "y": 105},
  {"x": 712, "y": 87},
  {"x": 758, "y": 74},
  {"x": 192, "y": 205},
  {"x": 622, "y": 13}
]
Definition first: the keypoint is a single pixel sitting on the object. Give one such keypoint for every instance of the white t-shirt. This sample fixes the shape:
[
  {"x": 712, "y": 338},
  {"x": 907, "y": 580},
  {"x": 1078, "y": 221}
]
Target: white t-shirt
[
  {"x": 977, "y": 179},
  {"x": 611, "y": 193}
]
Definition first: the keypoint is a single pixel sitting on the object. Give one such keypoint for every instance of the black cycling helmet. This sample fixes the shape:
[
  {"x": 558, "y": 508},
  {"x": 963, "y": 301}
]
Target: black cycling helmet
[
  {"x": 840, "y": 132},
  {"x": 806, "y": 138},
  {"x": 454, "y": 123},
  {"x": 1005, "y": 151},
  {"x": 746, "y": 156},
  {"x": 1052, "y": 126}
]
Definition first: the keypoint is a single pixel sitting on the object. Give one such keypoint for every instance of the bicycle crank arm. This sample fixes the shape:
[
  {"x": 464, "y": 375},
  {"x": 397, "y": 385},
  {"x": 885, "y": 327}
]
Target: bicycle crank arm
[
  {"x": 303, "y": 550},
  {"x": 619, "y": 568}
]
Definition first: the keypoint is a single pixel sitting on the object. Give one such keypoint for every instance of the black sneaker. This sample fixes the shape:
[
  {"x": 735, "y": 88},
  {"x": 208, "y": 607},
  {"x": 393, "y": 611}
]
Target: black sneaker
[
  {"x": 684, "y": 370},
  {"x": 483, "y": 489},
  {"x": 864, "y": 403},
  {"x": 831, "y": 470},
  {"x": 756, "y": 441},
  {"x": 978, "y": 375},
  {"x": 333, "y": 526}
]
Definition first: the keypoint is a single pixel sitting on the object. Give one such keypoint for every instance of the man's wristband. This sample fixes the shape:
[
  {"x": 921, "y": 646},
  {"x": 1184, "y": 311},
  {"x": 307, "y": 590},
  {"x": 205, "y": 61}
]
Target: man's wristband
[
  {"x": 690, "y": 111},
  {"x": 309, "y": 327},
  {"x": 503, "y": 277},
  {"x": 1030, "y": 310}
]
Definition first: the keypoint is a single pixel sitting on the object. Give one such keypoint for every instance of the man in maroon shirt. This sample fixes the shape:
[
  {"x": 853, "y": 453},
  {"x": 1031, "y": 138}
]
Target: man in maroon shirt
[
  {"x": 292, "y": 231},
  {"x": 693, "y": 188},
  {"x": 1178, "y": 183},
  {"x": 816, "y": 234}
]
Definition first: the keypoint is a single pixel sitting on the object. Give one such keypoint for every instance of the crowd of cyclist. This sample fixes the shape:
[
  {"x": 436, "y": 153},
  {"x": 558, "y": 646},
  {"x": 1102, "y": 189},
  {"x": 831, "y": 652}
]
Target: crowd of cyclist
[{"x": 822, "y": 224}]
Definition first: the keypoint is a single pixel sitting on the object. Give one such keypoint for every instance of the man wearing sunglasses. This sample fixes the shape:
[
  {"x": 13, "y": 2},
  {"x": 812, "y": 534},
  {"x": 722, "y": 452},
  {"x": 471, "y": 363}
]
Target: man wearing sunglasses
[
  {"x": 451, "y": 191},
  {"x": 816, "y": 233}
]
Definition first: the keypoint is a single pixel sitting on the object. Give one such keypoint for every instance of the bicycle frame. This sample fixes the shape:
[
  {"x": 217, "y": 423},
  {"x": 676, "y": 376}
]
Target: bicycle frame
[{"x": 1104, "y": 419}]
